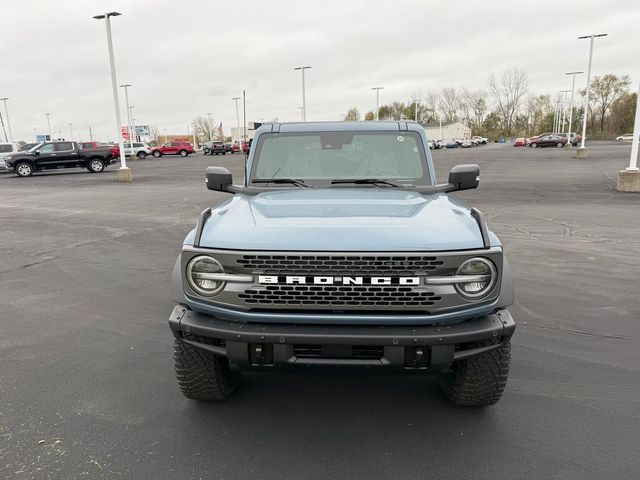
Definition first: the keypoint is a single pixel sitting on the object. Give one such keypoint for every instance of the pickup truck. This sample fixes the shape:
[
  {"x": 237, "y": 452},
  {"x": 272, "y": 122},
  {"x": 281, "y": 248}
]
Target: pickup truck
[
  {"x": 340, "y": 250},
  {"x": 51, "y": 155}
]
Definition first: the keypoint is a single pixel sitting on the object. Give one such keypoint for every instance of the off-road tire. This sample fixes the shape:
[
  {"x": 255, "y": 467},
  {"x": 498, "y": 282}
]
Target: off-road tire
[
  {"x": 24, "y": 169},
  {"x": 202, "y": 375},
  {"x": 478, "y": 381}
]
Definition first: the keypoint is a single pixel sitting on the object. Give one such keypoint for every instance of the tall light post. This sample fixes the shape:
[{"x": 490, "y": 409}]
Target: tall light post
[
  {"x": 573, "y": 89},
  {"x": 582, "y": 151},
  {"x": 304, "y": 97},
  {"x": 49, "y": 125},
  {"x": 629, "y": 178},
  {"x": 6, "y": 115},
  {"x": 209, "y": 114},
  {"x": 123, "y": 173},
  {"x": 377, "y": 89},
  {"x": 134, "y": 137},
  {"x": 236, "y": 100},
  {"x": 126, "y": 102},
  {"x": 71, "y": 131}
]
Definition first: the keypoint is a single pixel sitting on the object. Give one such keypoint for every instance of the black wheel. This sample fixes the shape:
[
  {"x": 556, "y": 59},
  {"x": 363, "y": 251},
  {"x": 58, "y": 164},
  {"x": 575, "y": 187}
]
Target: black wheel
[
  {"x": 559, "y": 144},
  {"x": 534, "y": 145},
  {"x": 202, "y": 375},
  {"x": 157, "y": 154},
  {"x": 24, "y": 169},
  {"x": 478, "y": 381},
  {"x": 142, "y": 155},
  {"x": 96, "y": 165},
  {"x": 183, "y": 153}
]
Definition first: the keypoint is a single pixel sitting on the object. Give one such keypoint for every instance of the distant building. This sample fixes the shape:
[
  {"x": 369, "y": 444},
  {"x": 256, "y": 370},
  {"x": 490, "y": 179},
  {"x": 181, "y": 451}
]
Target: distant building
[{"x": 450, "y": 131}]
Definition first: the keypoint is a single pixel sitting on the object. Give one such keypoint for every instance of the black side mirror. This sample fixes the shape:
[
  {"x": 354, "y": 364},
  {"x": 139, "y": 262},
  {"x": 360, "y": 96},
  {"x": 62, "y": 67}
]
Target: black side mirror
[
  {"x": 218, "y": 178},
  {"x": 465, "y": 177},
  {"x": 37, "y": 152}
]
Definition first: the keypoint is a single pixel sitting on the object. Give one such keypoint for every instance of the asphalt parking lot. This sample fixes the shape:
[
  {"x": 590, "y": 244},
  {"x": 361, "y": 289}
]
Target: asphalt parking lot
[{"x": 87, "y": 385}]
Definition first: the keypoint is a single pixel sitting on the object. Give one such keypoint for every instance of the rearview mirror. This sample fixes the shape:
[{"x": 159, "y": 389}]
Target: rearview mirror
[
  {"x": 218, "y": 178},
  {"x": 465, "y": 177}
]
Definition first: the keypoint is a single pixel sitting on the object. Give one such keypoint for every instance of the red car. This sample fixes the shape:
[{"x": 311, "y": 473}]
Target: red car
[
  {"x": 520, "y": 142},
  {"x": 173, "y": 148}
]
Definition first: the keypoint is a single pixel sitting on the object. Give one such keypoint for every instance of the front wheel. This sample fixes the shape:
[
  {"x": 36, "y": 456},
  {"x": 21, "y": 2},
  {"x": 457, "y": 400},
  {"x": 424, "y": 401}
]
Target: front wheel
[
  {"x": 183, "y": 153},
  {"x": 534, "y": 145},
  {"x": 559, "y": 144},
  {"x": 201, "y": 374},
  {"x": 142, "y": 155},
  {"x": 96, "y": 166},
  {"x": 24, "y": 169},
  {"x": 157, "y": 154},
  {"x": 478, "y": 381}
]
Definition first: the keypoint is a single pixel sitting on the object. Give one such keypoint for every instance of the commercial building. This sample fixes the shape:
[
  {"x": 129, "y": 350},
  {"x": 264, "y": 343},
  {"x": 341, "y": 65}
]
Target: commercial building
[{"x": 447, "y": 131}]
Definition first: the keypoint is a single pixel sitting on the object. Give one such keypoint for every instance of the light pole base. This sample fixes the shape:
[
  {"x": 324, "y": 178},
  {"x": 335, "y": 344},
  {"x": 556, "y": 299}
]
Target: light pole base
[
  {"x": 582, "y": 152},
  {"x": 124, "y": 174},
  {"x": 629, "y": 181}
]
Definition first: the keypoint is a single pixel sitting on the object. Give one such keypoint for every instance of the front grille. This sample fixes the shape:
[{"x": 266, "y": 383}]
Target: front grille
[
  {"x": 350, "y": 352},
  {"x": 339, "y": 296},
  {"x": 336, "y": 265}
]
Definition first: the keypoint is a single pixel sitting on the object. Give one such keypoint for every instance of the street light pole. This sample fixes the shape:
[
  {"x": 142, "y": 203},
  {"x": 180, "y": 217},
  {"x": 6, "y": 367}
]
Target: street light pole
[
  {"x": 49, "y": 125},
  {"x": 133, "y": 126},
  {"x": 236, "y": 100},
  {"x": 126, "y": 102},
  {"x": 582, "y": 151},
  {"x": 573, "y": 89},
  {"x": 209, "y": 114},
  {"x": 71, "y": 130},
  {"x": 564, "y": 112},
  {"x": 304, "y": 98},
  {"x": 6, "y": 115},
  {"x": 377, "y": 89},
  {"x": 124, "y": 173}
]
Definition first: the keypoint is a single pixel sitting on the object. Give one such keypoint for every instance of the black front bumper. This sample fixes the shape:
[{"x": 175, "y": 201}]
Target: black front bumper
[{"x": 399, "y": 347}]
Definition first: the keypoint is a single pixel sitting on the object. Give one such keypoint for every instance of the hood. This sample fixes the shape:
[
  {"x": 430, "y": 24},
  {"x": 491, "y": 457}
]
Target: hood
[{"x": 341, "y": 219}]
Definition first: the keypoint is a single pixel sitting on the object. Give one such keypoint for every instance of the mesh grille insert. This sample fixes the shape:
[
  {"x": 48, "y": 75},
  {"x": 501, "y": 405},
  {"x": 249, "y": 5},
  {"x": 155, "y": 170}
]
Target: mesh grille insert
[{"x": 336, "y": 265}]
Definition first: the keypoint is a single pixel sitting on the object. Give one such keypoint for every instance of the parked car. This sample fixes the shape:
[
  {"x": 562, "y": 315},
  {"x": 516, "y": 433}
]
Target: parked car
[
  {"x": 218, "y": 148},
  {"x": 552, "y": 140},
  {"x": 172, "y": 148},
  {"x": 271, "y": 279},
  {"x": 627, "y": 137},
  {"x": 50, "y": 155},
  {"x": 520, "y": 142},
  {"x": 140, "y": 150},
  {"x": 575, "y": 138},
  {"x": 7, "y": 149},
  {"x": 235, "y": 148},
  {"x": 466, "y": 143},
  {"x": 480, "y": 140},
  {"x": 451, "y": 144}
]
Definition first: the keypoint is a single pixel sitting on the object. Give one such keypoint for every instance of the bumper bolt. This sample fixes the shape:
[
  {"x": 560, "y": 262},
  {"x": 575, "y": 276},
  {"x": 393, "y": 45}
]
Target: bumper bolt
[
  {"x": 395, "y": 341},
  {"x": 282, "y": 340}
]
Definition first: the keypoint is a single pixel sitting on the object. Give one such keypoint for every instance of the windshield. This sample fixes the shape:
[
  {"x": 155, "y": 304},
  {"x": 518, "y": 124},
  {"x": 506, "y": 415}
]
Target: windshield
[{"x": 324, "y": 156}]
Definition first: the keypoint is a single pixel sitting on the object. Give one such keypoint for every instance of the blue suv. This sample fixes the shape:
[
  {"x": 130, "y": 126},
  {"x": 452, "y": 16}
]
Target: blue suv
[{"x": 341, "y": 250}]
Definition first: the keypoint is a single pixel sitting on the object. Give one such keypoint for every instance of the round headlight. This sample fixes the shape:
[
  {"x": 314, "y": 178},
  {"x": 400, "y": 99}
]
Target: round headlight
[
  {"x": 481, "y": 267},
  {"x": 198, "y": 269}
]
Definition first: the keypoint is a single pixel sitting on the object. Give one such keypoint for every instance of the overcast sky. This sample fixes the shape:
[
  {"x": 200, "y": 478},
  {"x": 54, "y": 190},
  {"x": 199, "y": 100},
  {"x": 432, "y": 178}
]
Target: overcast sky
[{"x": 191, "y": 57}]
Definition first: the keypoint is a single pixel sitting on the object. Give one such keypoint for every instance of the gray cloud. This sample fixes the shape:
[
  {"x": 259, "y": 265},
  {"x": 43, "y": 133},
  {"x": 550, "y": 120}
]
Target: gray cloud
[{"x": 188, "y": 58}]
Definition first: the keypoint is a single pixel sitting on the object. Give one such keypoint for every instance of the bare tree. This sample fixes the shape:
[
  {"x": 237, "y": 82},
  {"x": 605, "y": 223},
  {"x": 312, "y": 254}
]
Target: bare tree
[
  {"x": 204, "y": 129},
  {"x": 474, "y": 107},
  {"x": 352, "y": 115},
  {"x": 431, "y": 100},
  {"x": 509, "y": 92},
  {"x": 450, "y": 104}
]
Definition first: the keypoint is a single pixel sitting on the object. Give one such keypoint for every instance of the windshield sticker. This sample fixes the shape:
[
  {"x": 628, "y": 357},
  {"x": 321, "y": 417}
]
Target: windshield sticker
[{"x": 400, "y": 138}]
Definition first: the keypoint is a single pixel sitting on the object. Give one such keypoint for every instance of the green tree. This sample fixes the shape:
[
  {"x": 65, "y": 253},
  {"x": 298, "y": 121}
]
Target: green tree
[
  {"x": 604, "y": 91},
  {"x": 369, "y": 116}
]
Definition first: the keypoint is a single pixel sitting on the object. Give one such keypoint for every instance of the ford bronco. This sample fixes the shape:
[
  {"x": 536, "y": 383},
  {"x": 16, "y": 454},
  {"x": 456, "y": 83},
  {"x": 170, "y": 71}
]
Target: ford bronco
[{"x": 338, "y": 250}]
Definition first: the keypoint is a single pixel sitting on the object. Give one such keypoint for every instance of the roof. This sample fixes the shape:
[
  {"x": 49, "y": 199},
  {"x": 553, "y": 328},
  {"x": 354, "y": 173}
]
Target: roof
[{"x": 337, "y": 126}]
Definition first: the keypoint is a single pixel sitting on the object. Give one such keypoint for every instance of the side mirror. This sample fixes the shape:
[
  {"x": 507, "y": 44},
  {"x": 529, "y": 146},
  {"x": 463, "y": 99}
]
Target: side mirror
[
  {"x": 465, "y": 177},
  {"x": 37, "y": 152},
  {"x": 218, "y": 178}
]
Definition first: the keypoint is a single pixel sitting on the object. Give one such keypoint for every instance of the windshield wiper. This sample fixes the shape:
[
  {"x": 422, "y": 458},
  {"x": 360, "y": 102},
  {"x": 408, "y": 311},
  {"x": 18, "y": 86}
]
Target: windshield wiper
[
  {"x": 292, "y": 181},
  {"x": 366, "y": 181}
]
